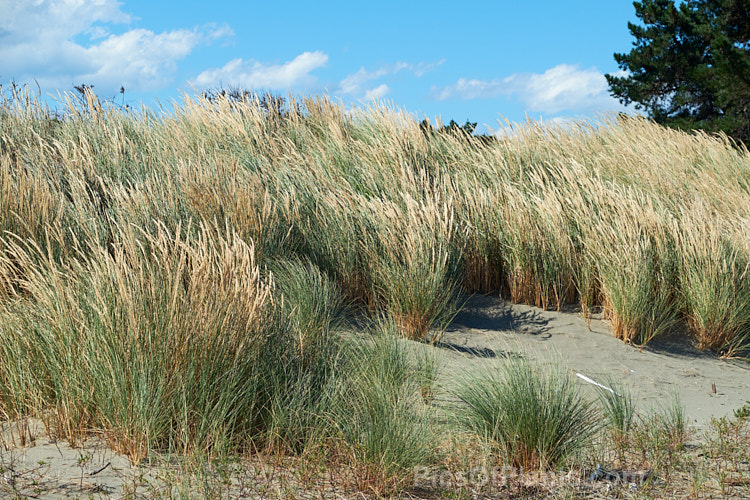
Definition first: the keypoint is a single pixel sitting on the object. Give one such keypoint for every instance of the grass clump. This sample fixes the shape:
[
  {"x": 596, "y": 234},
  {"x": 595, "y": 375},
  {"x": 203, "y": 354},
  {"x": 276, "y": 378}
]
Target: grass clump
[
  {"x": 743, "y": 412},
  {"x": 619, "y": 411},
  {"x": 416, "y": 271},
  {"x": 309, "y": 300},
  {"x": 168, "y": 344},
  {"x": 539, "y": 252},
  {"x": 637, "y": 271},
  {"x": 382, "y": 414},
  {"x": 715, "y": 276},
  {"x": 304, "y": 365},
  {"x": 618, "y": 406},
  {"x": 660, "y": 436},
  {"x": 536, "y": 417}
]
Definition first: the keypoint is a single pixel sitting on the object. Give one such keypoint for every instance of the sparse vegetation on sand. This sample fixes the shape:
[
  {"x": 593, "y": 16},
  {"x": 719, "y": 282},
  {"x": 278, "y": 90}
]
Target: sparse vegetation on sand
[{"x": 229, "y": 278}]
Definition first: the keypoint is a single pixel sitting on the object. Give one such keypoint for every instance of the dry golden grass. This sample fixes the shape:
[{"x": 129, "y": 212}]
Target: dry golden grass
[
  {"x": 137, "y": 250},
  {"x": 602, "y": 213}
]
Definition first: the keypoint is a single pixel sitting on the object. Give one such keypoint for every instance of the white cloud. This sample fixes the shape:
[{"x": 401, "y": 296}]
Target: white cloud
[
  {"x": 421, "y": 68},
  {"x": 64, "y": 42},
  {"x": 562, "y": 88},
  {"x": 217, "y": 31},
  {"x": 124, "y": 59},
  {"x": 355, "y": 83},
  {"x": 377, "y": 92},
  {"x": 474, "y": 89},
  {"x": 253, "y": 74},
  {"x": 54, "y": 20}
]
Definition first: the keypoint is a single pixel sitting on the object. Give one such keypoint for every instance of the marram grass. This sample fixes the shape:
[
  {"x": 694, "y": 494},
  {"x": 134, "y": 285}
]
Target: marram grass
[
  {"x": 156, "y": 265},
  {"x": 536, "y": 416}
]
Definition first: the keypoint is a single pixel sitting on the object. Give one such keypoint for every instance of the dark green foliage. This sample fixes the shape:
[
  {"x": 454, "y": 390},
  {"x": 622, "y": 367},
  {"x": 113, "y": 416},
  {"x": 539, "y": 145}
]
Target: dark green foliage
[
  {"x": 273, "y": 105},
  {"x": 454, "y": 129},
  {"x": 690, "y": 65},
  {"x": 467, "y": 127}
]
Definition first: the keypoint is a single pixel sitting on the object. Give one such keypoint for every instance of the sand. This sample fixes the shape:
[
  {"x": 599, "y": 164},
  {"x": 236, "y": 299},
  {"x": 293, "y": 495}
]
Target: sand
[
  {"x": 488, "y": 328},
  {"x": 45, "y": 468},
  {"x": 486, "y": 331}
]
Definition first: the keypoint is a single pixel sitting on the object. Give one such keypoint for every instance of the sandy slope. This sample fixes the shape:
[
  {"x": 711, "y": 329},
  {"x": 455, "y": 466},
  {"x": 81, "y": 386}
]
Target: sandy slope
[{"x": 489, "y": 328}]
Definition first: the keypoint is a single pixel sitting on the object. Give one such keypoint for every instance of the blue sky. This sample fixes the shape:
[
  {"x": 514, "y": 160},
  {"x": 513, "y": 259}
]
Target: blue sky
[{"x": 481, "y": 61}]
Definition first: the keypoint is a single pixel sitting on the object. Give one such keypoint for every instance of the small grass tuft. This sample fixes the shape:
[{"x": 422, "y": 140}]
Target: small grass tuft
[{"x": 536, "y": 416}]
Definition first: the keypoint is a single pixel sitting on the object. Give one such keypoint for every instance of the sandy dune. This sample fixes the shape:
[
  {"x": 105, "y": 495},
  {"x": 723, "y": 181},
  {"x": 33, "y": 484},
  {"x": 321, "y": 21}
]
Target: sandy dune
[{"x": 489, "y": 327}]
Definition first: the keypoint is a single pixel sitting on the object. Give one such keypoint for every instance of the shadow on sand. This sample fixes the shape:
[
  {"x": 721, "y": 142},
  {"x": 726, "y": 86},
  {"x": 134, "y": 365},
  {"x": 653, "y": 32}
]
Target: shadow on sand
[
  {"x": 480, "y": 352},
  {"x": 482, "y": 312}
]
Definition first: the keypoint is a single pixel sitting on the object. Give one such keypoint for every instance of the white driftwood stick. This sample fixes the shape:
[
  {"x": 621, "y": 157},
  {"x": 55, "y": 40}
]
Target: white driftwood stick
[{"x": 584, "y": 377}]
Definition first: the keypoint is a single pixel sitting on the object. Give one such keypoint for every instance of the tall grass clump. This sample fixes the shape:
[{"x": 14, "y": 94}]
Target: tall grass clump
[
  {"x": 332, "y": 230},
  {"x": 28, "y": 203},
  {"x": 536, "y": 417},
  {"x": 619, "y": 411},
  {"x": 618, "y": 407},
  {"x": 381, "y": 413},
  {"x": 715, "y": 278},
  {"x": 636, "y": 265},
  {"x": 417, "y": 265},
  {"x": 224, "y": 193},
  {"x": 539, "y": 252},
  {"x": 483, "y": 257},
  {"x": 310, "y": 301},
  {"x": 167, "y": 343},
  {"x": 305, "y": 366}
]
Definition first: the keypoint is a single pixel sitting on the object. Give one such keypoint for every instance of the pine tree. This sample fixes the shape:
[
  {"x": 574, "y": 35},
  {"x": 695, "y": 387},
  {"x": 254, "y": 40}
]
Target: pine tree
[{"x": 690, "y": 65}]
